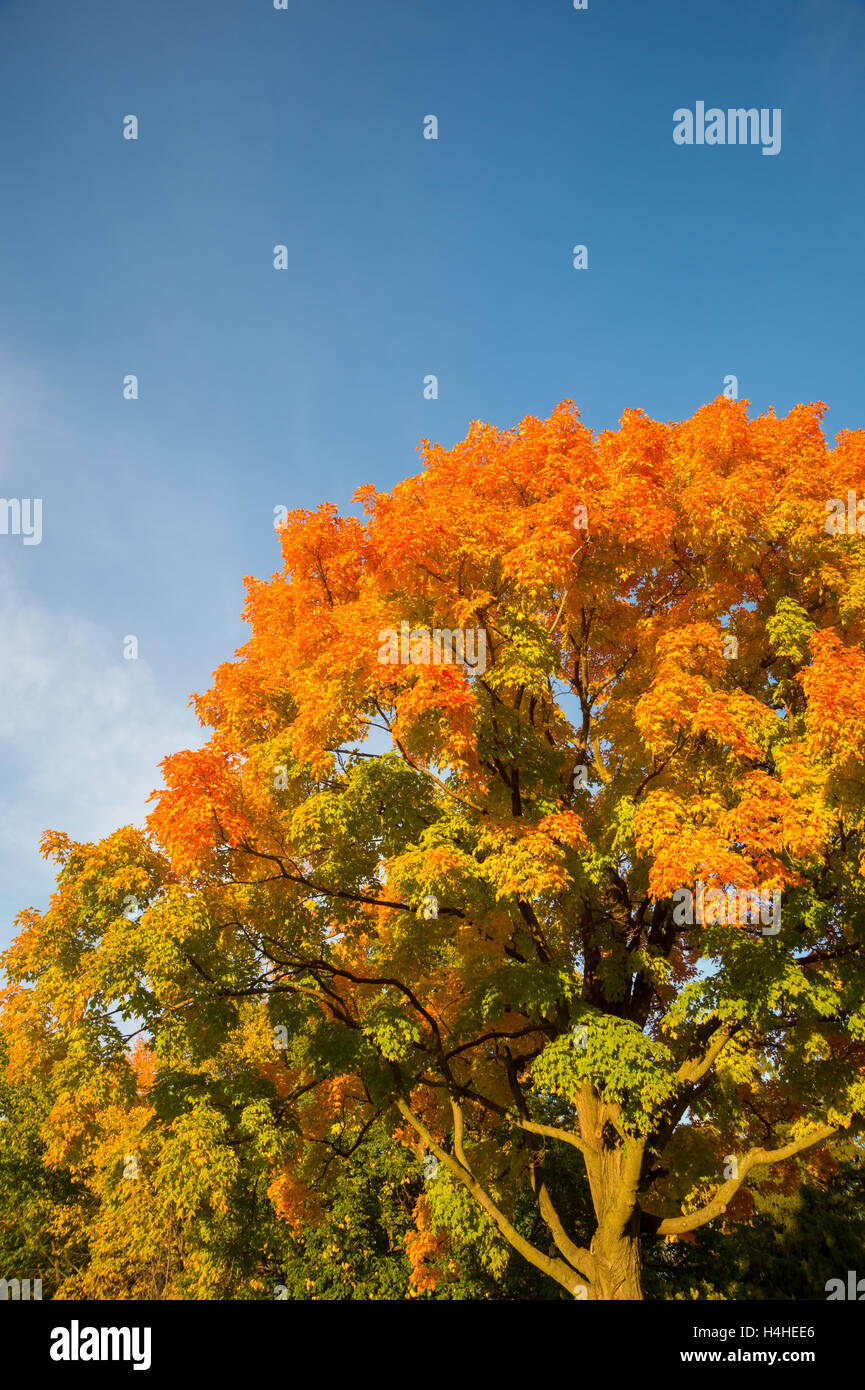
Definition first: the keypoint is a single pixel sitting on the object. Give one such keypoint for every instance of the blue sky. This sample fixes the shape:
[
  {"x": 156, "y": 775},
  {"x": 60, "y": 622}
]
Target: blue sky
[{"x": 261, "y": 388}]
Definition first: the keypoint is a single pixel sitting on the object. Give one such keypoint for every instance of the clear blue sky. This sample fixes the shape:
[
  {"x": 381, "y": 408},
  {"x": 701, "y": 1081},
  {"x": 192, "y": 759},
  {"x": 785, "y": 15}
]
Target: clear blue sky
[{"x": 261, "y": 388}]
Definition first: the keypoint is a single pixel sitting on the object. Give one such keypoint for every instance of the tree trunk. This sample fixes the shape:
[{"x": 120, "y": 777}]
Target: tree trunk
[
  {"x": 617, "y": 1265},
  {"x": 614, "y": 1167}
]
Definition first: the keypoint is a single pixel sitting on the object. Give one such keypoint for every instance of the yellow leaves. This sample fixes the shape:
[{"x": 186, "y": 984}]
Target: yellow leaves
[
  {"x": 55, "y": 845},
  {"x": 732, "y": 720},
  {"x": 432, "y": 867},
  {"x": 604, "y": 648},
  {"x": 770, "y": 822},
  {"x": 27, "y": 1026},
  {"x": 688, "y": 697},
  {"x": 658, "y": 816},
  {"x": 519, "y": 858}
]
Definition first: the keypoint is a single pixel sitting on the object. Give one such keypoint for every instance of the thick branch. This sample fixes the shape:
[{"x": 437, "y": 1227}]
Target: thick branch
[
  {"x": 677, "y": 1225},
  {"x": 555, "y": 1268},
  {"x": 551, "y": 1132}
]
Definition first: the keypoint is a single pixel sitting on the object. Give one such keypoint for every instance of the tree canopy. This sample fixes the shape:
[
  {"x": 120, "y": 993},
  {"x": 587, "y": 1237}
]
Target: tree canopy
[{"x": 521, "y": 873}]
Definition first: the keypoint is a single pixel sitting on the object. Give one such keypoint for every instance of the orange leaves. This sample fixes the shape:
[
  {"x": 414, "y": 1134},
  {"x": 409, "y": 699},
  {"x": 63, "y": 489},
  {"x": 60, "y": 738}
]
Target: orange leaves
[
  {"x": 143, "y": 1061},
  {"x": 848, "y": 463},
  {"x": 771, "y": 823},
  {"x": 433, "y": 866},
  {"x": 834, "y": 686},
  {"x": 332, "y": 1099},
  {"x": 425, "y": 1247},
  {"x": 428, "y": 865},
  {"x": 830, "y": 764},
  {"x": 55, "y": 845},
  {"x": 329, "y": 1105},
  {"x": 696, "y": 531},
  {"x": 698, "y": 852},
  {"x": 681, "y": 517},
  {"x": 435, "y": 710},
  {"x": 743, "y": 835},
  {"x": 686, "y": 658},
  {"x": 722, "y": 476},
  {"x": 294, "y": 1201},
  {"x": 323, "y": 555},
  {"x": 683, "y": 700},
  {"x": 27, "y": 1026},
  {"x": 731, "y": 719},
  {"x": 201, "y": 805},
  {"x": 565, "y": 828},
  {"x": 630, "y": 500}
]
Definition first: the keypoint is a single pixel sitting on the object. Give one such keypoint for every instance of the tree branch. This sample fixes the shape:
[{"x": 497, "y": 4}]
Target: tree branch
[
  {"x": 555, "y": 1268},
  {"x": 677, "y": 1225}
]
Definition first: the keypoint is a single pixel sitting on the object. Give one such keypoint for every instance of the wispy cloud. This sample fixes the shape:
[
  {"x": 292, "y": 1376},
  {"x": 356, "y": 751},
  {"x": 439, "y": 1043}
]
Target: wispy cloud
[{"x": 81, "y": 734}]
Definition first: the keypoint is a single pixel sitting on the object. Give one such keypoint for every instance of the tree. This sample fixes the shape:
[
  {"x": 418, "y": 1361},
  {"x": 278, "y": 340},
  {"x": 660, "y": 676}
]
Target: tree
[{"x": 529, "y": 829}]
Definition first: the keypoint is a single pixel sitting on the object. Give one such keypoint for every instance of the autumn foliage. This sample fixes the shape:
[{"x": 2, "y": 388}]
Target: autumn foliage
[{"x": 430, "y": 906}]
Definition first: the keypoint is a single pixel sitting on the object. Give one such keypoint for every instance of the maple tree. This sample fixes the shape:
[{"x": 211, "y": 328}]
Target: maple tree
[{"x": 428, "y": 903}]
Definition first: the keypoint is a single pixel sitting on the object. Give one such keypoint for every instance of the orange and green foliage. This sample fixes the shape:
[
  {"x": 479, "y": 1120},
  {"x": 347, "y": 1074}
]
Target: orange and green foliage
[{"x": 437, "y": 904}]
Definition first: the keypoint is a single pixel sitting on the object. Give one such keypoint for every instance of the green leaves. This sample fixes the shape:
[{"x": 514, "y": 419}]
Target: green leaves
[
  {"x": 789, "y": 630},
  {"x": 391, "y": 1031},
  {"x": 623, "y": 1066}
]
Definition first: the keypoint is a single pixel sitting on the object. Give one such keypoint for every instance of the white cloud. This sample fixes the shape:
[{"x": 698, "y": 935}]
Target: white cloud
[{"x": 82, "y": 732}]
